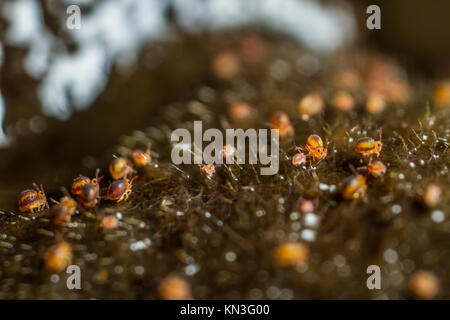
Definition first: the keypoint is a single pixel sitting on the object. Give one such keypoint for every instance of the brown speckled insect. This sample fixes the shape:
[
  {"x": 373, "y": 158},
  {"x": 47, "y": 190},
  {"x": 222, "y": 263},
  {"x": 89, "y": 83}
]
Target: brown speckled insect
[
  {"x": 33, "y": 200},
  {"x": 280, "y": 120},
  {"x": 79, "y": 182},
  {"x": 368, "y": 146},
  {"x": 120, "y": 167},
  {"x": 141, "y": 158},
  {"x": 376, "y": 168},
  {"x": 62, "y": 211},
  {"x": 315, "y": 147},
  {"x": 354, "y": 186},
  {"x": 120, "y": 190}
]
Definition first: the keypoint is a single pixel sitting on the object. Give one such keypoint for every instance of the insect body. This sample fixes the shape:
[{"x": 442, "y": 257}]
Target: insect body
[
  {"x": 63, "y": 211},
  {"x": 310, "y": 105},
  {"x": 120, "y": 190},
  {"x": 240, "y": 111},
  {"x": 58, "y": 256},
  {"x": 31, "y": 200},
  {"x": 298, "y": 159},
  {"x": 343, "y": 100},
  {"x": 120, "y": 167},
  {"x": 89, "y": 195},
  {"x": 208, "y": 169},
  {"x": 315, "y": 147},
  {"x": 227, "y": 151},
  {"x": 280, "y": 120},
  {"x": 141, "y": 158},
  {"x": 291, "y": 253},
  {"x": 109, "y": 223},
  {"x": 368, "y": 146},
  {"x": 79, "y": 182},
  {"x": 354, "y": 187},
  {"x": 376, "y": 168}
]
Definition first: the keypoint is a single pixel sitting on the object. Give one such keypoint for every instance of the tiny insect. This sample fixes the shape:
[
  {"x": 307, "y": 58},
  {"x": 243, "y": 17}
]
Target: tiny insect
[
  {"x": 79, "y": 182},
  {"x": 291, "y": 253},
  {"x": 240, "y": 111},
  {"x": 424, "y": 284},
  {"x": 299, "y": 158},
  {"x": 174, "y": 288},
  {"x": 141, "y": 158},
  {"x": 375, "y": 103},
  {"x": 307, "y": 205},
  {"x": 62, "y": 211},
  {"x": 310, "y": 105},
  {"x": 314, "y": 145},
  {"x": 280, "y": 120},
  {"x": 343, "y": 101},
  {"x": 441, "y": 95},
  {"x": 120, "y": 167},
  {"x": 376, "y": 168},
  {"x": 33, "y": 200},
  {"x": 432, "y": 195},
  {"x": 109, "y": 222},
  {"x": 368, "y": 146},
  {"x": 58, "y": 257},
  {"x": 89, "y": 195},
  {"x": 354, "y": 186},
  {"x": 227, "y": 151},
  {"x": 209, "y": 170},
  {"x": 225, "y": 65},
  {"x": 120, "y": 190}
]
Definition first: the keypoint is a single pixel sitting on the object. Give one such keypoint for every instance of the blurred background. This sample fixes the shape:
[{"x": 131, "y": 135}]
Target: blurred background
[{"x": 67, "y": 95}]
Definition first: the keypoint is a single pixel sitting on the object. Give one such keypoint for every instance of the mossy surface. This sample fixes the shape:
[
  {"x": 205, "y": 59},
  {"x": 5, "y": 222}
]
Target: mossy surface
[{"x": 220, "y": 233}]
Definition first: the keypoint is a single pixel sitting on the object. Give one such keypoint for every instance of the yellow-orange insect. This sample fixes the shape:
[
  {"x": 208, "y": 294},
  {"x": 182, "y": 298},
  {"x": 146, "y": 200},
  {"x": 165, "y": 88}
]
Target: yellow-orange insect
[
  {"x": 79, "y": 182},
  {"x": 291, "y": 253},
  {"x": 310, "y": 105},
  {"x": 208, "y": 169},
  {"x": 62, "y": 211},
  {"x": 354, "y": 187},
  {"x": 368, "y": 146},
  {"x": 120, "y": 167},
  {"x": 280, "y": 120},
  {"x": 240, "y": 111},
  {"x": 32, "y": 200},
  {"x": 376, "y": 168},
  {"x": 315, "y": 147},
  {"x": 141, "y": 158},
  {"x": 58, "y": 257}
]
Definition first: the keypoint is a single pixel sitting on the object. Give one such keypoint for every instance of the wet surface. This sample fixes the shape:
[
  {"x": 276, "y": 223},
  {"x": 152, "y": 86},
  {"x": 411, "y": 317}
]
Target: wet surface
[{"x": 220, "y": 234}]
